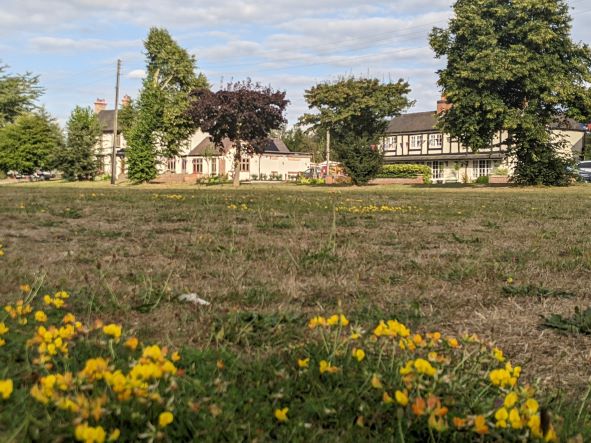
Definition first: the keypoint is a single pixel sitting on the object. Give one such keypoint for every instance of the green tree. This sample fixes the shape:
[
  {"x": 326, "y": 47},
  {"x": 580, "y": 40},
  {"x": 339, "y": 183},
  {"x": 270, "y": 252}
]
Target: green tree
[
  {"x": 512, "y": 65},
  {"x": 160, "y": 125},
  {"x": 298, "y": 140},
  {"x": 361, "y": 158},
  {"x": 356, "y": 112},
  {"x": 31, "y": 143},
  {"x": 18, "y": 93},
  {"x": 78, "y": 160}
]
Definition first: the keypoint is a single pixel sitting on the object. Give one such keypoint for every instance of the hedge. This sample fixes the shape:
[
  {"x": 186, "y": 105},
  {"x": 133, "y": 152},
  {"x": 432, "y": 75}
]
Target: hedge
[{"x": 405, "y": 171}]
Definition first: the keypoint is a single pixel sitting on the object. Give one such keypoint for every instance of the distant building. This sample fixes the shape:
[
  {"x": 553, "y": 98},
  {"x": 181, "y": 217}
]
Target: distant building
[
  {"x": 200, "y": 158},
  {"x": 414, "y": 138}
]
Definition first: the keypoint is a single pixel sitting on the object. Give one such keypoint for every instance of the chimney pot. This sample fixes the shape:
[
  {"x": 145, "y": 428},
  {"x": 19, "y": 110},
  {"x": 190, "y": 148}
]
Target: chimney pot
[
  {"x": 126, "y": 100},
  {"x": 100, "y": 105}
]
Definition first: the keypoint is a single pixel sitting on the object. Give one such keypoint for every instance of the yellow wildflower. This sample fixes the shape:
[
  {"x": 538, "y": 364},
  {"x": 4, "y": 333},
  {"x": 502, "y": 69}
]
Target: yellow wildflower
[
  {"x": 327, "y": 367},
  {"x": 480, "y": 426},
  {"x": 281, "y": 414},
  {"x": 114, "y": 435},
  {"x": 376, "y": 382},
  {"x": 165, "y": 418},
  {"x": 510, "y": 399},
  {"x": 501, "y": 417},
  {"x": 387, "y": 399},
  {"x": 131, "y": 343},
  {"x": 316, "y": 321},
  {"x": 424, "y": 367},
  {"x": 25, "y": 288},
  {"x": 407, "y": 368},
  {"x": 303, "y": 362},
  {"x": 531, "y": 406},
  {"x": 551, "y": 435},
  {"x": 113, "y": 330},
  {"x": 6, "y": 388},
  {"x": 515, "y": 419},
  {"x": 3, "y": 328},
  {"x": 498, "y": 354},
  {"x": 40, "y": 316},
  {"x": 453, "y": 342},
  {"x": 359, "y": 354},
  {"x": 418, "y": 406},
  {"x": 459, "y": 422},
  {"x": 401, "y": 398},
  {"x": 69, "y": 318},
  {"x": 355, "y": 336},
  {"x": 89, "y": 434},
  {"x": 2, "y": 342},
  {"x": 175, "y": 356}
]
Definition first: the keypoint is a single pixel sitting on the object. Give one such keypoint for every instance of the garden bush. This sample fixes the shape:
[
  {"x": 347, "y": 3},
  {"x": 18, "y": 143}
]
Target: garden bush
[
  {"x": 406, "y": 171},
  {"x": 482, "y": 180}
]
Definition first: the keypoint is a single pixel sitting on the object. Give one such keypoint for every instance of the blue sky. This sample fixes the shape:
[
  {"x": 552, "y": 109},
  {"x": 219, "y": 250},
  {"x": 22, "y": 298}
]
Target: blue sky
[{"x": 290, "y": 44}]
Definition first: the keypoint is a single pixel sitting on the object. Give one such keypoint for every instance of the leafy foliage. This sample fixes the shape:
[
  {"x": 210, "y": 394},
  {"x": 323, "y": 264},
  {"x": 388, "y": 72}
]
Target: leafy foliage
[
  {"x": 298, "y": 140},
  {"x": 513, "y": 66},
  {"x": 77, "y": 160},
  {"x": 406, "y": 171},
  {"x": 535, "y": 291},
  {"x": 243, "y": 112},
  {"x": 359, "y": 106},
  {"x": 18, "y": 93},
  {"x": 361, "y": 159},
  {"x": 31, "y": 143},
  {"x": 579, "y": 323},
  {"x": 160, "y": 125}
]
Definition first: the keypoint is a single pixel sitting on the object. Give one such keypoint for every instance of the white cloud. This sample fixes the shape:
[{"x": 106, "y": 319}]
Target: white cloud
[
  {"x": 137, "y": 73},
  {"x": 60, "y": 44}
]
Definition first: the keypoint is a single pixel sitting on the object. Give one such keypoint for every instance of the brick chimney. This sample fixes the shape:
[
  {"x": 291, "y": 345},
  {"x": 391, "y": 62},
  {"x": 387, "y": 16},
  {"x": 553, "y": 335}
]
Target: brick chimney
[
  {"x": 442, "y": 105},
  {"x": 100, "y": 105},
  {"x": 126, "y": 100}
]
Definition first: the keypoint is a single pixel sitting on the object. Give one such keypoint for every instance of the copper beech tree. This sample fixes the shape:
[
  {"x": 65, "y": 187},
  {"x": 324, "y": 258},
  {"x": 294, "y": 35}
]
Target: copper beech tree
[{"x": 244, "y": 112}]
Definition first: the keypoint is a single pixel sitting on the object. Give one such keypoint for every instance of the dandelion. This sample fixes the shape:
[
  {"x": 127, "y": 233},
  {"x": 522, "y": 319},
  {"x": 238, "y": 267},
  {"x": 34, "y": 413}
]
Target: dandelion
[
  {"x": 281, "y": 414},
  {"x": 303, "y": 363},
  {"x": 165, "y": 418},
  {"x": 6, "y": 387}
]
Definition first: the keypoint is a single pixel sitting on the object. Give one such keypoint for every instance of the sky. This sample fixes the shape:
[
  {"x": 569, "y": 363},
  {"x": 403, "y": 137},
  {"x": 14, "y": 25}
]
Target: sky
[{"x": 291, "y": 45}]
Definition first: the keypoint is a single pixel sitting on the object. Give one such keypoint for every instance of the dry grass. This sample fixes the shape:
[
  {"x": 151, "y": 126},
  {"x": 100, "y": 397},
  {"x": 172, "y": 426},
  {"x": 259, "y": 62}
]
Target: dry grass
[{"x": 130, "y": 251}]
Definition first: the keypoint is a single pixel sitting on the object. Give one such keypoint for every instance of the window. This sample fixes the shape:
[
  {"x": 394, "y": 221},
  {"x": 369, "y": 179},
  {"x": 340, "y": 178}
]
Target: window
[
  {"x": 416, "y": 141},
  {"x": 197, "y": 166},
  {"x": 435, "y": 140},
  {"x": 214, "y": 166},
  {"x": 245, "y": 164},
  {"x": 390, "y": 143},
  {"x": 481, "y": 168},
  {"x": 184, "y": 165},
  {"x": 172, "y": 164},
  {"x": 436, "y": 169}
]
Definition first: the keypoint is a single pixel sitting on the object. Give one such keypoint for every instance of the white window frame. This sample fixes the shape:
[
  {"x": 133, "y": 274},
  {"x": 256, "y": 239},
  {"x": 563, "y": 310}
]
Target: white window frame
[
  {"x": 436, "y": 140},
  {"x": 197, "y": 166},
  {"x": 171, "y": 165},
  {"x": 416, "y": 142},
  {"x": 482, "y": 168},
  {"x": 437, "y": 169}
]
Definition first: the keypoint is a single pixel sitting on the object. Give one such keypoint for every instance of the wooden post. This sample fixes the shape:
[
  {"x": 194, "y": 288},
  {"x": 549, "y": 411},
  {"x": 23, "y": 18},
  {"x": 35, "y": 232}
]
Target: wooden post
[{"x": 114, "y": 150}]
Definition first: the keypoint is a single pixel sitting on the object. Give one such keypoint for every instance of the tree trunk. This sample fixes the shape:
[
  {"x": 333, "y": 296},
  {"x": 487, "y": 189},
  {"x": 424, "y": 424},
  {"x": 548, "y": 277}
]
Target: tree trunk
[{"x": 236, "y": 178}]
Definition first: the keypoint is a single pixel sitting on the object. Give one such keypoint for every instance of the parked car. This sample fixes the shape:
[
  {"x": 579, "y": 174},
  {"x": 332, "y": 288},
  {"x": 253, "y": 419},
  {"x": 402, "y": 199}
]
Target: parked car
[{"x": 585, "y": 170}]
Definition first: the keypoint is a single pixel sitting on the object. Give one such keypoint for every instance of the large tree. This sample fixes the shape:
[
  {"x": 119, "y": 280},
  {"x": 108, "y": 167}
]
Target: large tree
[
  {"x": 78, "y": 160},
  {"x": 243, "y": 112},
  {"x": 31, "y": 143},
  {"x": 512, "y": 66},
  {"x": 298, "y": 140},
  {"x": 356, "y": 111},
  {"x": 161, "y": 126},
  {"x": 18, "y": 93}
]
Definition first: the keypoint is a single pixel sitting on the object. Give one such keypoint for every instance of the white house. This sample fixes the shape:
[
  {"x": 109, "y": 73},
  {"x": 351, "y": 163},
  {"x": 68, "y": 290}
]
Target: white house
[
  {"x": 200, "y": 158},
  {"x": 414, "y": 138}
]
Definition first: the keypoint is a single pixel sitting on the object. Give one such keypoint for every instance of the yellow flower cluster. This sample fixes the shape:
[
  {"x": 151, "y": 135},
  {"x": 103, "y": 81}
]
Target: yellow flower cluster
[
  {"x": 506, "y": 376},
  {"x": 333, "y": 320},
  {"x": 52, "y": 341},
  {"x": 19, "y": 311},
  {"x": 57, "y": 300},
  {"x": 391, "y": 329},
  {"x": 177, "y": 197},
  {"x": 3, "y": 330},
  {"x": 241, "y": 206},
  {"x": 373, "y": 208},
  {"x": 1, "y": 250}
]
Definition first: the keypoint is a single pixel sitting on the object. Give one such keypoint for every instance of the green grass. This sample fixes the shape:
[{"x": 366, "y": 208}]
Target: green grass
[{"x": 288, "y": 254}]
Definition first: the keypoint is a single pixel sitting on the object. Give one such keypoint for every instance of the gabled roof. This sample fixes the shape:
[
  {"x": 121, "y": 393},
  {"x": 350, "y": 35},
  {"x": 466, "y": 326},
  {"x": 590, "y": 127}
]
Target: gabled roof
[
  {"x": 414, "y": 122},
  {"x": 207, "y": 147},
  {"x": 426, "y": 121},
  {"x": 276, "y": 145}
]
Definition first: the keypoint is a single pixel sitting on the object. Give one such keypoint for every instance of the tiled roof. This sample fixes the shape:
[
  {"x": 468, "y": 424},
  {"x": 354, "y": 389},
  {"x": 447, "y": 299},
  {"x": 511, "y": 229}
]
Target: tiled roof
[{"x": 414, "y": 122}]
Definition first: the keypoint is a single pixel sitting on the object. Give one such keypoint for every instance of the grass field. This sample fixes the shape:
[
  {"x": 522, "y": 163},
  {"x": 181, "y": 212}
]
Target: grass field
[{"x": 490, "y": 261}]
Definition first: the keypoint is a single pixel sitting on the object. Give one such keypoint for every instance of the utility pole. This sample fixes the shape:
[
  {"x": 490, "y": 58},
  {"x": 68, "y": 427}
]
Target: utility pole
[
  {"x": 328, "y": 152},
  {"x": 114, "y": 151}
]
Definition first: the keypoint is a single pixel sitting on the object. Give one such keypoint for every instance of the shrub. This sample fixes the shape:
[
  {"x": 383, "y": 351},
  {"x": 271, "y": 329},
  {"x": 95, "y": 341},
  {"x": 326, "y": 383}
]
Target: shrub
[
  {"x": 501, "y": 170},
  {"x": 301, "y": 180},
  {"x": 406, "y": 171},
  {"x": 254, "y": 177},
  {"x": 360, "y": 158},
  {"x": 482, "y": 180}
]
